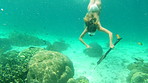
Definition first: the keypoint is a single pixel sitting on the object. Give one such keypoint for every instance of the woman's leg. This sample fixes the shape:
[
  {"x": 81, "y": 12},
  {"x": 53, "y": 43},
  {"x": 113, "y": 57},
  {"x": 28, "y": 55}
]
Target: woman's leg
[
  {"x": 90, "y": 3},
  {"x": 98, "y": 2}
]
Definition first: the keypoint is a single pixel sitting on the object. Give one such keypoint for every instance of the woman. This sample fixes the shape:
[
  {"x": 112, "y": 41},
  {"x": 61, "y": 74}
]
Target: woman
[{"x": 92, "y": 22}]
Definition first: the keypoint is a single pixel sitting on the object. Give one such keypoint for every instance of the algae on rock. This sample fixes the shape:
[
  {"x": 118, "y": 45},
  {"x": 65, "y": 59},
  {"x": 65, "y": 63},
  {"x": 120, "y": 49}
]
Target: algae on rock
[
  {"x": 139, "y": 72},
  {"x": 49, "y": 67}
]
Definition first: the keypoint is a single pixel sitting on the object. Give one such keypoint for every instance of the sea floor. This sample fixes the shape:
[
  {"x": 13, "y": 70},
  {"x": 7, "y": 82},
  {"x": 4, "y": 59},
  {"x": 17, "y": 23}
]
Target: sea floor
[{"x": 113, "y": 69}]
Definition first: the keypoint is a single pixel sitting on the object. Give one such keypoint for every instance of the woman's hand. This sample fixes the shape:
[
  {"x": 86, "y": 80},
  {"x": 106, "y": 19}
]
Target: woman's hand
[
  {"x": 88, "y": 46},
  {"x": 111, "y": 46}
]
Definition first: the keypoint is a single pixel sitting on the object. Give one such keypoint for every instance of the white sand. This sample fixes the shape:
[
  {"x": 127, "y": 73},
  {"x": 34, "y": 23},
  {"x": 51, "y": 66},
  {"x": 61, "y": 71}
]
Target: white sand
[{"x": 111, "y": 70}]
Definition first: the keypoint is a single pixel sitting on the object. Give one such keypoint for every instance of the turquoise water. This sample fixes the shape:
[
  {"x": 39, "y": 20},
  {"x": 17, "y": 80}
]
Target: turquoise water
[{"x": 128, "y": 18}]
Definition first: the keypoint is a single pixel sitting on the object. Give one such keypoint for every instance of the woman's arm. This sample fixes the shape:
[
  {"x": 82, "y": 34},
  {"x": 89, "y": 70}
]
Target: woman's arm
[
  {"x": 110, "y": 36},
  {"x": 81, "y": 38}
]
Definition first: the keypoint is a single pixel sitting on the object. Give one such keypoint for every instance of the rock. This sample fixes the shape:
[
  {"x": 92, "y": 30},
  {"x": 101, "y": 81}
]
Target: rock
[
  {"x": 81, "y": 79},
  {"x": 139, "y": 77},
  {"x": 138, "y": 72},
  {"x": 26, "y": 54},
  {"x": 49, "y": 67},
  {"x": 58, "y": 46},
  {"x": 4, "y": 45},
  {"x": 14, "y": 65},
  {"x": 138, "y": 66},
  {"x": 71, "y": 80},
  {"x": 95, "y": 50},
  {"x": 20, "y": 39},
  {"x": 12, "y": 68}
]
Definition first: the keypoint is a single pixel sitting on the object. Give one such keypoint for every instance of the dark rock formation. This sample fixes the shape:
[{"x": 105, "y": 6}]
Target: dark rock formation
[
  {"x": 20, "y": 39},
  {"x": 95, "y": 50},
  {"x": 58, "y": 46}
]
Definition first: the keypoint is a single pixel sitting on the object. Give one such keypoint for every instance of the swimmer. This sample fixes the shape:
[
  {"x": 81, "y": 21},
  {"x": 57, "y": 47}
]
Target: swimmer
[{"x": 92, "y": 22}]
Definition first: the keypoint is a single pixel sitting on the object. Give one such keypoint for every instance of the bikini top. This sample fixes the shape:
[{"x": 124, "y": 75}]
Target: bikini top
[{"x": 94, "y": 8}]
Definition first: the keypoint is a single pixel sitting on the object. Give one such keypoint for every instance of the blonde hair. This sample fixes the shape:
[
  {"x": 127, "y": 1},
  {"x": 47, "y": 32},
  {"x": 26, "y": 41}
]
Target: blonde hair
[{"x": 90, "y": 16}]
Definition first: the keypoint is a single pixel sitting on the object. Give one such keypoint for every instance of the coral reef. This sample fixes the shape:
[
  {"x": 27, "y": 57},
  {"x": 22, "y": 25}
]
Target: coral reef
[
  {"x": 49, "y": 67},
  {"x": 58, "y": 46},
  {"x": 4, "y": 45},
  {"x": 95, "y": 50},
  {"x": 139, "y": 72},
  {"x": 37, "y": 65},
  {"x": 139, "y": 77},
  {"x": 20, "y": 39},
  {"x": 12, "y": 69},
  {"x": 14, "y": 65},
  {"x": 81, "y": 79}
]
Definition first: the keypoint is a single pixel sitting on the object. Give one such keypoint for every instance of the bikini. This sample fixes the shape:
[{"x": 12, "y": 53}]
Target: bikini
[{"x": 94, "y": 8}]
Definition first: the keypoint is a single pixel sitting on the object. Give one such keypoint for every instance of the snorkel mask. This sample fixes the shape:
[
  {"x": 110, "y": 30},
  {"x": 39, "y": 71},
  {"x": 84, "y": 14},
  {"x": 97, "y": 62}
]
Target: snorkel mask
[{"x": 91, "y": 33}]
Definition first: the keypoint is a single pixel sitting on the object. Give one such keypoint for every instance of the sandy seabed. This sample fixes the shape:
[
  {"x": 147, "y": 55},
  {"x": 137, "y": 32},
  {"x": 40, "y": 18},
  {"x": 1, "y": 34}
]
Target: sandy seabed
[{"x": 113, "y": 69}]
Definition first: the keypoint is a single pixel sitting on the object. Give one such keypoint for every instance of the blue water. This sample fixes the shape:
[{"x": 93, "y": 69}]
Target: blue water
[{"x": 129, "y": 18}]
